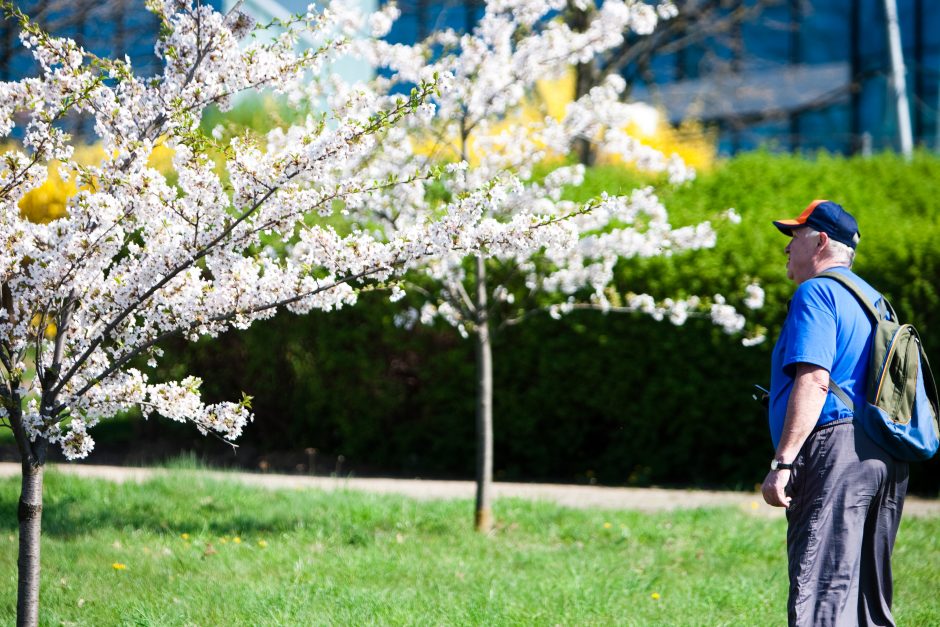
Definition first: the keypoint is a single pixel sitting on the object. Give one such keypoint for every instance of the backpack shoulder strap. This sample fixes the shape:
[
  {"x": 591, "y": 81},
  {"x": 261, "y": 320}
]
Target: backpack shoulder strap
[
  {"x": 874, "y": 313},
  {"x": 930, "y": 384},
  {"x": 841, "y": 395}
]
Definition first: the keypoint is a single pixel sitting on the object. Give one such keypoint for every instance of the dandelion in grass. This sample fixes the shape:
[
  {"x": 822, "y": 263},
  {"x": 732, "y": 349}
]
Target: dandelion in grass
[
  {"x": 607, "y": 525},
  {"x": 184, "y": 536},
  {"x": 263, "y": 544},
  {"x": 237, "y": 540},
  {"x": 655, "y": 596},
  {"x": 118, "y": 566}
]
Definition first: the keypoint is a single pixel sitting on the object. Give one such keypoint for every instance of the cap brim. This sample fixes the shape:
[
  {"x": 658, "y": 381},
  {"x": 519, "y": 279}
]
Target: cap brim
[{"x": 786, "y": 226}]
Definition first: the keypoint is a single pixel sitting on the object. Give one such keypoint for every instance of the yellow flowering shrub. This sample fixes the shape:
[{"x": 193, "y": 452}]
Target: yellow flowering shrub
[
  {"x": 161, "y": 159},
  {"x": 694, "y": 143},
  {"x": 49, "y": 201}
]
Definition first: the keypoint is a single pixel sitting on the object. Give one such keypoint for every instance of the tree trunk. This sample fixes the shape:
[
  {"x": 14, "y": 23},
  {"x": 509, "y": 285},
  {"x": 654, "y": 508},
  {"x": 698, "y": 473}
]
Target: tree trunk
[
  {"x": 30, "y": 520},
  {"x": 586, "y": 77},
  {"x": 484, "y": 355}
]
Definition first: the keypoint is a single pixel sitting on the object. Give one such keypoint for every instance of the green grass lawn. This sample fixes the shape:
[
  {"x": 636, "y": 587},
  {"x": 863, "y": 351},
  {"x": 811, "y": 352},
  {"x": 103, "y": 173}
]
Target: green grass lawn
[{"x": 182, "y": 550}]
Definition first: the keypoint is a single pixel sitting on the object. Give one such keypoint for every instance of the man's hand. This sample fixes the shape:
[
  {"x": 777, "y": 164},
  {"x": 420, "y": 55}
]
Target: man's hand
[
  {"x": 810, "y": 387},
  {"x": 774, "y": 488}
]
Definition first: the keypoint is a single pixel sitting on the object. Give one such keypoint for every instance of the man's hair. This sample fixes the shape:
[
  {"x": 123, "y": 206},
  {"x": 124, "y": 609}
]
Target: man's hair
[{"x": 839, "y": 251}]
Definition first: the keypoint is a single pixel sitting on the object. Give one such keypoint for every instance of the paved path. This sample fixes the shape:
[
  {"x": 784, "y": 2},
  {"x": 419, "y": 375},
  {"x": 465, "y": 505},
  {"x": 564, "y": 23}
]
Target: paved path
[{"x": 642, "y": 499}]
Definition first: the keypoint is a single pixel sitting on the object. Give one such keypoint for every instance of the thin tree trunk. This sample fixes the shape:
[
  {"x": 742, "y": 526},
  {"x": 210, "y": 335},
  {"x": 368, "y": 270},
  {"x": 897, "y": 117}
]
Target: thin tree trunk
[
  {"x": 586, "y": 77},
  {"x": 30, "y": 520},
  {"x": 484, "y": 353}
]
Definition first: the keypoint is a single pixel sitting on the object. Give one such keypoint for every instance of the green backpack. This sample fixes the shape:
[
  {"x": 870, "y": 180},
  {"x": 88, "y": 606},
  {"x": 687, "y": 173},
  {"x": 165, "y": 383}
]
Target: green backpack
[{"x": 900, "y": 411}]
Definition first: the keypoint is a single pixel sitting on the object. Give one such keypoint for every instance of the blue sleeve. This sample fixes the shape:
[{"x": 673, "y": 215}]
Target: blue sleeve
[{"x": 813, "y": 328}]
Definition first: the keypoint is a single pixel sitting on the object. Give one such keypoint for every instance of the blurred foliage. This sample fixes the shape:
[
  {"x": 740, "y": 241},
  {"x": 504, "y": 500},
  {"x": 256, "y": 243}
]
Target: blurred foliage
[
  {"x": 617, "y": 399},
  {"x": 258, "y": 113}
]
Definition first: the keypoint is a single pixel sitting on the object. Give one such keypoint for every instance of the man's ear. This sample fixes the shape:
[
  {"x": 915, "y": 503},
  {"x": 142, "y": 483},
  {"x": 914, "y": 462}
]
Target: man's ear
[{"x": 823, "y": 240}]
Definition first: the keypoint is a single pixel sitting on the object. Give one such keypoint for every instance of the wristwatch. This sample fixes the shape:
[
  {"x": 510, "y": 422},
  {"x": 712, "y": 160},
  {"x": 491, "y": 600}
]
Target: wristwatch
[{"x": 775, "y": 465}]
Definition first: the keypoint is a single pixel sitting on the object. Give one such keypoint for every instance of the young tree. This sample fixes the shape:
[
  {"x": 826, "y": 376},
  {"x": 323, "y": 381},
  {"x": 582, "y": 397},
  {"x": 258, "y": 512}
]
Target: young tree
[
  {"x": 88, "y": 297},
  {"x": 477, "y": 125}
]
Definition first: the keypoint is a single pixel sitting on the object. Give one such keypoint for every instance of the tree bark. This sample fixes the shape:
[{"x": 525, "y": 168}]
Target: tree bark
[
  {"x": 30, "y": 521},
  {"x": 585, "y": 79},
  {"x": 484, "y": 357},
  {"x": 586, "y": 76}
]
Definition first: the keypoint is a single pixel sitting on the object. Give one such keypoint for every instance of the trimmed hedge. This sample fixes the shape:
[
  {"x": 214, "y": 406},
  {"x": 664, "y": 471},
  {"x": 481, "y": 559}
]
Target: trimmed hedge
[{"x": 617, "y": 399}]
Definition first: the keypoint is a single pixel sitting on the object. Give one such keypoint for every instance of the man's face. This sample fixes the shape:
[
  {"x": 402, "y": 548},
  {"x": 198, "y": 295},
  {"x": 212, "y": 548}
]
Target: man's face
[{"x": 801, "y": 254}]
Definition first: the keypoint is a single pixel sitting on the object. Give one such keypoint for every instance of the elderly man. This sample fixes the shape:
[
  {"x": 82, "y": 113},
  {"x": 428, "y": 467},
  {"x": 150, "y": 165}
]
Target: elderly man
[{"x": 843, "y": 493}]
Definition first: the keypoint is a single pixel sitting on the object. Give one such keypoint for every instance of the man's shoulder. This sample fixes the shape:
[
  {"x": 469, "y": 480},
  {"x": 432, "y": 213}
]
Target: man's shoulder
[
  {"x": 817, "y": 289},
  {"x": 826, "y": 292},
  {"x": 821, "y": 282}
]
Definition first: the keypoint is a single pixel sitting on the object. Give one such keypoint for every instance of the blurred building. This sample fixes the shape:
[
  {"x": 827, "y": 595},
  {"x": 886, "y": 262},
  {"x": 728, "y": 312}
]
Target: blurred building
[
  {"x": 106, "y": 27},
  {"x": 809, "y": 75}
]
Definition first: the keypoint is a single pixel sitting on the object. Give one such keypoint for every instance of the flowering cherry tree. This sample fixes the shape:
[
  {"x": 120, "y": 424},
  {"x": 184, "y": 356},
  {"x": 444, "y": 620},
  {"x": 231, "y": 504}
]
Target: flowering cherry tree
[
  {"x": 476, "y": 126},
  {"x": 88, "y": 297}
]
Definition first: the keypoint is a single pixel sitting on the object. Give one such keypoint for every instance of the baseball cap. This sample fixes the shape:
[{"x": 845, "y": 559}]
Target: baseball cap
[{"x": 827, "y": 217}]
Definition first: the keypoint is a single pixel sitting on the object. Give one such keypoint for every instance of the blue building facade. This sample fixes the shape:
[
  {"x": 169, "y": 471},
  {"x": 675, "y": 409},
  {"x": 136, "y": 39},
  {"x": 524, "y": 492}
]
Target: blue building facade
[
  {"x": 111, "y": 28},
  {"x": 826, "y": 66}
]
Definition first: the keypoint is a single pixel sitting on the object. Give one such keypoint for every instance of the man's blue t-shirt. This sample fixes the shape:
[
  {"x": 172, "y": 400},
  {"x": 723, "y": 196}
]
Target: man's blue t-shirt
[{"x": 827, "y": 327}]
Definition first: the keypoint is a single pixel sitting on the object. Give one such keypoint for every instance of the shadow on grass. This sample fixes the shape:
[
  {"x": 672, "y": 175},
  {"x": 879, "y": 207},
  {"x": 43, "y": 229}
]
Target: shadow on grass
[{"x": 183, "y": 501}]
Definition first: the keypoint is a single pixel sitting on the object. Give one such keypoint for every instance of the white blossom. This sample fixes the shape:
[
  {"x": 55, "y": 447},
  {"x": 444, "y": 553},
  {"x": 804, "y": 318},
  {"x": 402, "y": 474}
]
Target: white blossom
[
  {"x": 754, "y": 298},
  {"x": 754, "y": 341},
  {"x": 380, "y": 22},
  {"x": 667, "y": 10},
  {"x": 725, "y": 316}
]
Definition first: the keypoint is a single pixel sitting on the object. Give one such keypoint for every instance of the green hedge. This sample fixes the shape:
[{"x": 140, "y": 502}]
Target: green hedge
[{"x": 618, "y": 399}]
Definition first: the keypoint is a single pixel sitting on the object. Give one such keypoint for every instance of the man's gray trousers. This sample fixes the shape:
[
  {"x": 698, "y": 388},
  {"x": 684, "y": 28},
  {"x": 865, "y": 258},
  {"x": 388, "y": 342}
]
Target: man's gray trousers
[{"x": 846, "y": 500}]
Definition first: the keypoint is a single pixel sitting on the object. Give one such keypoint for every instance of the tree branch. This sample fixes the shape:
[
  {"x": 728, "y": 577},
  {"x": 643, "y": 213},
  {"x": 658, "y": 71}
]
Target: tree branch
[
  {"x": 400, "y": 110},
  {"x": 139, "y": 349}
]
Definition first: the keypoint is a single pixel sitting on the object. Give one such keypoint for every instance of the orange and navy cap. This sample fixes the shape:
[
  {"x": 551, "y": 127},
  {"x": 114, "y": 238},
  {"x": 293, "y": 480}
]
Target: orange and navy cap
[{"x": 827, "y": 217}]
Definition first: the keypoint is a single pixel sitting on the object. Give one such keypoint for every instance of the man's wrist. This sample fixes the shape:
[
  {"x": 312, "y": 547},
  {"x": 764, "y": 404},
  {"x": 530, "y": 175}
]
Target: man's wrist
[{"x": 776, "y": 464}]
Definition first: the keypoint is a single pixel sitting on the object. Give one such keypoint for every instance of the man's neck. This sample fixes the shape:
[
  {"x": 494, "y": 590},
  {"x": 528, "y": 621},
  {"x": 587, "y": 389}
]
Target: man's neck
[{"x": 830, "y": 265}]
